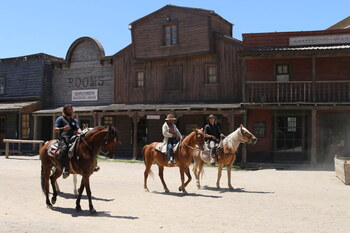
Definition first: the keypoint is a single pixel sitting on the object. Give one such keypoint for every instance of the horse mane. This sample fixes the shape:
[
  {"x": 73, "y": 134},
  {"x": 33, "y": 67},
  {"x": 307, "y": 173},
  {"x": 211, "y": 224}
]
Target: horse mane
[
  {"x": 94, "y": 130},
  {"x": 232, "y": 138}
]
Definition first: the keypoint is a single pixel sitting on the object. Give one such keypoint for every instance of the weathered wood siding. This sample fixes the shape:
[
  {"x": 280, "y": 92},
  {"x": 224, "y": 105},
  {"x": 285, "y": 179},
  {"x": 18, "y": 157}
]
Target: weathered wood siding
[
  {"x": 195, "y": 88},
  {"x": 193, "y": 34}
]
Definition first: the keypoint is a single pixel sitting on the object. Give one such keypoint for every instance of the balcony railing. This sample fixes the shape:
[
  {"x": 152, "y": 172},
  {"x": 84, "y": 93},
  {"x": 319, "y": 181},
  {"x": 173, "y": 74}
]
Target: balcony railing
[{"x": 293, "y": 91}]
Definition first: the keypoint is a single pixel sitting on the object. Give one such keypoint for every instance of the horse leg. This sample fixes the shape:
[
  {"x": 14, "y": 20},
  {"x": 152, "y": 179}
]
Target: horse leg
[
  {"x": 195, "y": 170},
  {"x": 229, "y": 167},
  {"x": 88, "y": 192},
  {"x": 182, "y": 174},
  {"x": 219, "y": 175},
  {"x": 53, "y": 179},
  {"x": 75, "y": 185},
  {"x": 81, "y": 189},
  {"x": 161, "y": 176},
  {"x": 145, "y": 175},
  {"x": 200, "y": 170},
  {"x": 45, "y": 185},
  {"x": 189, "y": 178}
]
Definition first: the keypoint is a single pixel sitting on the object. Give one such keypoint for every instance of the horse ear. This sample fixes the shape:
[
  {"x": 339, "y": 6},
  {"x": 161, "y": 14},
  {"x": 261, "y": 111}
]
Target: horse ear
[{"x": 241, "y": 126}]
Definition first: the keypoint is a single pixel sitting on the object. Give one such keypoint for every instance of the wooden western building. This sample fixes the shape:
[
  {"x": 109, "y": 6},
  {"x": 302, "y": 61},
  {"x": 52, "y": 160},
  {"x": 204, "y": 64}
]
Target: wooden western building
[
  {"x": 24, "y": 88},
  {"x": 181, "y": 61},
  {"x": 296, "y": 91}
]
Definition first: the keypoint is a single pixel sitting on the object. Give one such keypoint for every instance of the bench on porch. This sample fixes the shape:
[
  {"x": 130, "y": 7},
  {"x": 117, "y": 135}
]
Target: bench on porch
[{"x": 20, "y": 141}]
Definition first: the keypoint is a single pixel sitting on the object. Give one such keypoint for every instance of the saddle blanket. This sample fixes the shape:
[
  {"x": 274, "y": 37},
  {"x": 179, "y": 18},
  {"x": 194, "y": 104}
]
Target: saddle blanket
[{"x": 162, "y": 147}]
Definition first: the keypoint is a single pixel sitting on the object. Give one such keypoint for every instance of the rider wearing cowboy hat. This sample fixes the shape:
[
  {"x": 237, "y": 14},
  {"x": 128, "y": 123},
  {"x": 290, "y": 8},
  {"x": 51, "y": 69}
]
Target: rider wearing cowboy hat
[
  {"x": 213, "y": 134},
  {"x": 171, "y": 134},
  {"x": 67, "y": 127}
]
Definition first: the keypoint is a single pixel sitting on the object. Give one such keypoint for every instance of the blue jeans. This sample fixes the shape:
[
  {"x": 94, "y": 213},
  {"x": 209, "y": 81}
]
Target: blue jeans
[{"x": 170, "y": 146}]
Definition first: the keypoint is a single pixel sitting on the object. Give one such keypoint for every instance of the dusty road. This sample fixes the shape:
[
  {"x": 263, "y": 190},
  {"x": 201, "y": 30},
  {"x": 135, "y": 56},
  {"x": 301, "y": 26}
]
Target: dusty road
[{"x": 264, "y": 201}]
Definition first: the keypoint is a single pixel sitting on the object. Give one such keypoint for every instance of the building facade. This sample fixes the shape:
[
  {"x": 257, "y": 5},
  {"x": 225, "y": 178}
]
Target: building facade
[
  {"x": 25, "y": 86},
  {"x": 296, "y": 94}
]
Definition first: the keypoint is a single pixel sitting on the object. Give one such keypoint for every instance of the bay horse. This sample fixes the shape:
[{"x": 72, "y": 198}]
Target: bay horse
[
  {"x": 83, "y": 162},
  {"x": 225, "y": 156},
  {"x": 183, "y": 158}
]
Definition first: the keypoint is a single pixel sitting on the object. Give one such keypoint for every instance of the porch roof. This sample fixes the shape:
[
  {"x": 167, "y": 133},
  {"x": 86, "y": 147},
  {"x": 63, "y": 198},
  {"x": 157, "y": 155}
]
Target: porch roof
[
  {"x": 169, "y": 107},
  {"x": 77, "y": 109},
  {"x": 26, "y": 106}
]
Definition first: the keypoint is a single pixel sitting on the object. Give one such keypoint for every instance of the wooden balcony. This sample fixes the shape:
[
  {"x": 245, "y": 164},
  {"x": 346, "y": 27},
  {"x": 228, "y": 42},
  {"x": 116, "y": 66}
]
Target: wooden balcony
[{"x": 294, "y": 91}]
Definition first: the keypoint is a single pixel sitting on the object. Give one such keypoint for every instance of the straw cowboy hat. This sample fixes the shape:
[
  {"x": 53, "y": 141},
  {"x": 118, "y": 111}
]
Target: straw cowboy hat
[
  {"x": 211, "y": 116},
  {"x": 170, "y": 117}
]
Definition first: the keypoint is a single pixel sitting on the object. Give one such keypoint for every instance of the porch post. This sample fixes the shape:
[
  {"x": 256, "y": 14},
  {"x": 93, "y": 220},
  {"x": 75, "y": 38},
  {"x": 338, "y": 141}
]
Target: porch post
[
  {"x": 313, "y": 159},
  {"x": 244, "y": 148},
  {"x": 35, "y": 133},
  {"x": 135, "y": 120},
  {"x": 313, "y": 78}
]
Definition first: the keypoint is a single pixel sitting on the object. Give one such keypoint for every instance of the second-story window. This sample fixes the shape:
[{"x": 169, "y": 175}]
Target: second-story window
[
  {"x": 140, "y": 78},
  {"x": 211, "y": 74},
  {"x": 2, "y": 85},
  {"x": 170, "y": 34},
  {"x": 282, "y": 72}
]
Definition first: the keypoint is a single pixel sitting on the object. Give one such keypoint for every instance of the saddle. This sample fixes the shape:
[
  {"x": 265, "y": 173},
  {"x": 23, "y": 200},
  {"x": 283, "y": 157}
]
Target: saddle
[
  {"x": 161, "y": 147},
  {"x": 54, "y": 149}
]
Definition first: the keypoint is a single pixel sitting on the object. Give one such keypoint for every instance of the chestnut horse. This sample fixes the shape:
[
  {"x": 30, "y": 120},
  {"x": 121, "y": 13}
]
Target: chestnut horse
[
  {"x": 224, "y": 156},
  {"x": 83, "y": 162},
  {"x": 183, "y": 158}
]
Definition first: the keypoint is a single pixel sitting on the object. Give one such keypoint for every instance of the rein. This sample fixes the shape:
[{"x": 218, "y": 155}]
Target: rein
[{"x": 193, "y": 148}]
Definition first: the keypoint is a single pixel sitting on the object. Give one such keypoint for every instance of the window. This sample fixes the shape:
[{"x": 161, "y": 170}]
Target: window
[
  {"x": 108, "y": 120},
  {"x": 140, "y": 79},
  {"x": 173, "y": 78},
  {"x": 289, "y": 134},
  {"x": 259, "y": 129},
  {"x": 2, "y": 85},
  {"x": 282, "y": 72},
  {"x": 211, "y": 74},
  {"x": 170, "y": 34},
  {"x": 25, "y": 126}
]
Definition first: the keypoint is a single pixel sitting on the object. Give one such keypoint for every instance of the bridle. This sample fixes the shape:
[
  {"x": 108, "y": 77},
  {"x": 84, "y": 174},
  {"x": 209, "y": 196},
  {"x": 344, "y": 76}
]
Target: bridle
[{"x": 191, "y": 147}]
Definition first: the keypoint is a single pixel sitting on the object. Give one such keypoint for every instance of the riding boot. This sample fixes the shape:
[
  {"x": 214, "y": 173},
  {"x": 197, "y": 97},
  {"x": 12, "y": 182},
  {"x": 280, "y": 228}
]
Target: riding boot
[
  {"x": 171, "y": 160},
  {"x": 64, "y": 164},
  {"x": 212, "y": 155}
]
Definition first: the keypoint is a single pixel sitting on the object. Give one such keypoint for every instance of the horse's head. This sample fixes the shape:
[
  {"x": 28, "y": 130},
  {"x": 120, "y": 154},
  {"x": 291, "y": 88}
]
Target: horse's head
[
  {"x": 247, "y": 136},
  {"x": 111, "y": 141},
  {"x": 199, "y": 137}
]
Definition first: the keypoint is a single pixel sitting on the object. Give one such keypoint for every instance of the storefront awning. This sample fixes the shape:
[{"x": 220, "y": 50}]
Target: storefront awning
[
  {"x": 169, "y": 107},
  {"x": 77, "y": 109},
  {"x": 25, "y": 107}
]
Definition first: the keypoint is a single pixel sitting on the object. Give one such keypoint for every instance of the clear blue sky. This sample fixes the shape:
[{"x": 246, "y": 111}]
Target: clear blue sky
[{"x": 46, "y": 26}]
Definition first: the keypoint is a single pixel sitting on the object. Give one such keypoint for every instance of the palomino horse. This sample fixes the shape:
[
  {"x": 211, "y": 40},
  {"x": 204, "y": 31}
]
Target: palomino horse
[
  {"x": 83, "y": 162},
  {"x": 225, "y": 156},
  {"x": 183, "y": 158}
]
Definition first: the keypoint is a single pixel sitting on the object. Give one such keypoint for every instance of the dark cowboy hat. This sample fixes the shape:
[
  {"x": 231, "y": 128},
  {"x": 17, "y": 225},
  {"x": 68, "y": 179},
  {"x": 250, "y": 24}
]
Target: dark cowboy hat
[
  {"x": 170, "y": 117},
  {"x": 211, "y": 116}
]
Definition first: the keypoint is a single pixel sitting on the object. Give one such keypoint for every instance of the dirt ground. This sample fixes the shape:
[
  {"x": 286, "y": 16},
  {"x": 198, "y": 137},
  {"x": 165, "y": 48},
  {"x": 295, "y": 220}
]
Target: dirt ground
[{"x": 265, "y": 200}]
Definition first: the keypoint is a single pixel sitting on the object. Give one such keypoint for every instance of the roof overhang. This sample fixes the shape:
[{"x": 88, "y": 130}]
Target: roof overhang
[{"x": 25, "y": 107}]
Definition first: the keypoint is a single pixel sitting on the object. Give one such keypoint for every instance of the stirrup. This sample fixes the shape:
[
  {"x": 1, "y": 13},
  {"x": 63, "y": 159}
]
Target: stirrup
[
  {"x": 65, "y": 173},
  {"x": 212, "y": 161}
]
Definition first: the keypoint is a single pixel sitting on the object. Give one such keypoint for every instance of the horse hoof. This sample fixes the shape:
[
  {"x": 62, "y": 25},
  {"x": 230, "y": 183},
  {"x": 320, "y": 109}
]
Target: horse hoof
[
  {"x": 146, "y": 190},
  {"x": 167, "y": 191},
  {"x": 49, "y": 207},
  {"x": 93, "y": 211},
  {"x": 53, "y": 200},
  {"x": 78, "y": 208},
  {"x": 184, "y": 192}
]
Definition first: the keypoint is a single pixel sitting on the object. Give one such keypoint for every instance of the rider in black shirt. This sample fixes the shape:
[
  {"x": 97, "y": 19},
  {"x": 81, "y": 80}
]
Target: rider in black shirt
[{"x": 213, "y": 134}]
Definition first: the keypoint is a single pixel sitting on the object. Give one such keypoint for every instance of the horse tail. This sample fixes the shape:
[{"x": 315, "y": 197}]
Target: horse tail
[
  {"x": 42, "y": 179},
  {"x": 145, "y": 158}
]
